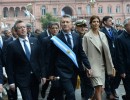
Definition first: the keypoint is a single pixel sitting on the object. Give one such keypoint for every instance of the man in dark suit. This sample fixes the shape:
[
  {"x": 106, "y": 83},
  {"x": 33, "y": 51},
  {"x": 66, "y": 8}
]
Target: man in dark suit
[
  {"x": 123, "y": 59},
  {"x": 24, "y": 62},
  {"x": 30, "y": 31},
  {"x": 7, "y": 34},
  {"x": 2, "y": 39},
  {"x": 53, "y": 93},
  {"x": 86, "y": 86},
  {"x": 46, "y": 33},
  {"x": 60, "y": 64},
  {"x": 12, "y": 95},
  {"x": 119, "y": 28},
  {"x": 111, "y": 83}
]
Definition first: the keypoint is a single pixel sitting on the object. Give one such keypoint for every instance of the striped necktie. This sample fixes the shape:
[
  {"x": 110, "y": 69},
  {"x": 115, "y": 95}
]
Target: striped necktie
[
  {"x": 27, "y": 52},
  {"x": 110, "y": 32},
  {"x": 68, "y": 41}
]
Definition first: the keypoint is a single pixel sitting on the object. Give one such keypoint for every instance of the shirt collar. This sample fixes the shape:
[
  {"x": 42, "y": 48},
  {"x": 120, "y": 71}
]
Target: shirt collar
[
  {"x": 26, "y": 38},
  {"x": 107, "y": 28},
  {"x": 66, "y": 33}
]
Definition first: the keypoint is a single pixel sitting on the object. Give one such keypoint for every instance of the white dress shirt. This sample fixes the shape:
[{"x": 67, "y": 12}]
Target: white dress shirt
[{"x": 27, "y": 43}]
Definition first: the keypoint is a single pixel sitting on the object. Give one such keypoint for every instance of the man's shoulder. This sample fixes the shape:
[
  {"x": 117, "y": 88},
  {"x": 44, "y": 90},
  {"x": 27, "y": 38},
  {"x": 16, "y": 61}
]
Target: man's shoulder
[
  {"x": 46, "y": 39},
  {"x": 12, "y": 43},
  {"x": 9, "y": 40},
  {"x": 122, "y": 35},
  {"x": 103, "y": 29}
]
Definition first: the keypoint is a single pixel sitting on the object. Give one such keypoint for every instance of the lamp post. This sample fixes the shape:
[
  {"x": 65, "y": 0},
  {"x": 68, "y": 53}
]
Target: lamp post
[
  {"x": 92, "y": 3},
  {"x": 4, "y": 20},
  {"x": 29, "y": 8}
]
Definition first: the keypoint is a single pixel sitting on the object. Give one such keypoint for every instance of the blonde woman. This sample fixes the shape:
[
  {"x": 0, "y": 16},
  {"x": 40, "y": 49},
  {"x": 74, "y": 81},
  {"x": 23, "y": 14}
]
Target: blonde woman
[{"x": 96, "y": 47}]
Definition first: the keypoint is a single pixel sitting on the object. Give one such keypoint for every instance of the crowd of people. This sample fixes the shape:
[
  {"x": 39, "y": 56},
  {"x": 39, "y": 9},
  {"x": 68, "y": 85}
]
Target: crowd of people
[{"x": 97, "y": 52}]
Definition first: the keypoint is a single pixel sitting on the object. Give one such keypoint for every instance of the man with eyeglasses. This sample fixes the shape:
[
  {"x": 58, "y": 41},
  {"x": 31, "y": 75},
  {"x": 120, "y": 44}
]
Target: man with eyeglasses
[{"x": 24, "y": 63}]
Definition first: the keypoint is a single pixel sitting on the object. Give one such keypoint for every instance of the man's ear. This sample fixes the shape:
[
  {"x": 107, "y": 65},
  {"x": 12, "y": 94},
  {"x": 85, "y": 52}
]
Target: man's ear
[{"x": 104, "y": 22}]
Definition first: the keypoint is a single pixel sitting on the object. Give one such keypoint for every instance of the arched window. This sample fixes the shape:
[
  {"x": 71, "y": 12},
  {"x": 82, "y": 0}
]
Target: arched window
[
  {"x": 100, "y": 9},
  {"x": 22, "y": 13},
  {"x": 17, "y": 11},
  {"x": 79, "y": 11},
  {"x": 118, "y": 9},
  {"x": 43, "y": 10},
  {"x": 88, "y": 9},
  {"x": 128, "y": 8},
  {"x": 109, "y": 9},
  {"x": 5, "y": 12},
  {"x": 11, "y": 11},
  {"x": 118, "y": 21},
  {"x": 55, "y": 11}
]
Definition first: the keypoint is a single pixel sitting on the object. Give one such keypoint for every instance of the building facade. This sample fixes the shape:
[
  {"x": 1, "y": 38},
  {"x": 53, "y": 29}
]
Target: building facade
[{"x": 12, "y": 10}]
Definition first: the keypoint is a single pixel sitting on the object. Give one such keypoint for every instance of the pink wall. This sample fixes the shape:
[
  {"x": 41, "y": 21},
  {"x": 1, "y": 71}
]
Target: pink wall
[{"x": 60, "y": 4}]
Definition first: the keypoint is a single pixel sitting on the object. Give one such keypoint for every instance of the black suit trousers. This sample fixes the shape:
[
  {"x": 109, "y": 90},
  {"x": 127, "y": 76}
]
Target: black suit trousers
[
  {"x": 87, "y": 89},
  {"x": 31, "y": 92},
  {"x": 126, "y": 82},
  {"x": 67, "y": 85}
]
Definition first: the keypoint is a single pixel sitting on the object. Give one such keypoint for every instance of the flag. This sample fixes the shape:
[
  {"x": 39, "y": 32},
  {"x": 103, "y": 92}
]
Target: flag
[{"x": 29, "y": 14}]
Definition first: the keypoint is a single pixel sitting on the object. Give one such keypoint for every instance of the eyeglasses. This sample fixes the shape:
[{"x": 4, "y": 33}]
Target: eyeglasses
[{"x": 21, "y": 27}]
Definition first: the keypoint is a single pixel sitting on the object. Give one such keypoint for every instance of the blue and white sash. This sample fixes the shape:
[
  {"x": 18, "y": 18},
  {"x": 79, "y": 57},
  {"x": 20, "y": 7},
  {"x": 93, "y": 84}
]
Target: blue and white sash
[{"x": 62, "y": 46}]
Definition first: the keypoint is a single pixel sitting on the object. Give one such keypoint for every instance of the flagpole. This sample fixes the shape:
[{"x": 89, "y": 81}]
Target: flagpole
[{"x": 28, "y": 10}]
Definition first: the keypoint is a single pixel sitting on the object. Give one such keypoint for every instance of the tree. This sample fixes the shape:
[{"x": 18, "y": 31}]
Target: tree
[{"x": 46, "y": 19}]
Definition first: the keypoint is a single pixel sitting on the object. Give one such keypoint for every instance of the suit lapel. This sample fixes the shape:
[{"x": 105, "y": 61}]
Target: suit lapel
[
  {"x": 106, "y": 32},
  {"x": 20, "y": 48},
  {"x": 74, "y": 39},
  {"x": 31, "y": 46},
  {"x": 103, "y": 40},
  {"x": 62, "y": 37},
  {"x": 93, "y": 40}
]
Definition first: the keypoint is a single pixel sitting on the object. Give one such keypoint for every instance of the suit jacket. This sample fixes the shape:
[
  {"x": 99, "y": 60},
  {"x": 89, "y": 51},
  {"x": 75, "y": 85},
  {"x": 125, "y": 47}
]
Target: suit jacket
[
  {"x": 46, "y": 51},
  {"x": 60, "y": 64},
  {"x": 2, "y": 50},
  {"x": 42, "y": 35},
  {"x": 31, "y": 34},
  {"x": 1, "y": 70},
  {"x": 120, "y": 31},
  {"x": 19, "y": 68},
  {"x": 94, "y": 53},
  {"x": 123, "y": 49},
  {"x": 111, "y": 41},
  {"x": 6, "y": 42}
]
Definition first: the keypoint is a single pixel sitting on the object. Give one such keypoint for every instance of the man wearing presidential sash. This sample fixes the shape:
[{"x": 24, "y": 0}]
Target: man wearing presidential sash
[{"x": 66, "y": 56}]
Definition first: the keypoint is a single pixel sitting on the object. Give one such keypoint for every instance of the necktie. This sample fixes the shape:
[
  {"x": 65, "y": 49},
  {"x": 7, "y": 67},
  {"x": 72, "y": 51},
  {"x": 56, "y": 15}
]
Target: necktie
[
  {"x": 110, "y": 32},
  {"x": 27, "y": 52},
  {"x": 68, "y": 41}
]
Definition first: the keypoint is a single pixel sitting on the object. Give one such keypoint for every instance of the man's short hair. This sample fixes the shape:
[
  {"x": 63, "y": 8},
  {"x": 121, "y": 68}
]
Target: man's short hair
[
  {"x": 28, "y": 25},
  {"x": 67, "y": 16},
  {"x": 17, "y": 22},
  {"x": 50, "y": 24},
  {"x": 106, "y": 18}
]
